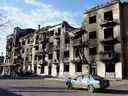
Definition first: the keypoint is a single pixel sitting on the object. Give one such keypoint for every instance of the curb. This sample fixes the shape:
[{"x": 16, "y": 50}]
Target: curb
[{"x": 58, "y": 79}]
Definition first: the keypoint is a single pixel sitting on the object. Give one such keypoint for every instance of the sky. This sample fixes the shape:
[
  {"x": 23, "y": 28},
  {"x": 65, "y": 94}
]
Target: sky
[{"x": 31, "y": 13}]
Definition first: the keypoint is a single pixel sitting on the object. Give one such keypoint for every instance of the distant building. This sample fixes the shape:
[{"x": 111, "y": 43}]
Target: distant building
[{"x": 18, "y": 43}]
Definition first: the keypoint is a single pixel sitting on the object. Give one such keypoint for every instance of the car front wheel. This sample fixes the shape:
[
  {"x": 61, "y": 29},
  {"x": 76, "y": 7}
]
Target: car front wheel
[
  {"x": 91, "y": 89},
  {"x": 69, "y": 85}
]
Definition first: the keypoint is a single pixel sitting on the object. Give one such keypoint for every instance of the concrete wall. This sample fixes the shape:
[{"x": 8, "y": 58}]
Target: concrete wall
[
  {"x": 118, "y": 70},
  {"x": 101, "y": 69},
  {"x": 100, "y": 36},
  {"x": 54, "y": 71},
  {"x": 124, "y": 38}
]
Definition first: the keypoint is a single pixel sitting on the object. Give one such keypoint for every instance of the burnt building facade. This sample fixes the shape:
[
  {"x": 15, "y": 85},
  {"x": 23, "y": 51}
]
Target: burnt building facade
[
  {"x": 99, "y": 46},
  {"x": 54, "y": 51},
  {"x": 19, "y": 51},
  {"x": 107, "y": 39}
]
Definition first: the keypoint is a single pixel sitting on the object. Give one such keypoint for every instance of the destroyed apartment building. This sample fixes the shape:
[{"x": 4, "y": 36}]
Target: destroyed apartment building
[
  {"x": 99, "y": 46},
  {"x": 107, "y": 29},
  {"x": 50, "y": 50}
]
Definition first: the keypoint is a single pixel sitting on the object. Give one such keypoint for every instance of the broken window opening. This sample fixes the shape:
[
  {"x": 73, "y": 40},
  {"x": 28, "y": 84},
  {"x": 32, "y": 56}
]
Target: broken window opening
[
  {"x": 58, "y": 54},
  {"x": 92, "y": 19},
  {"x": 66, "y": 67},
  {"x": 50, "y": 56},
  {"x": 76, "y": 51},
  {"x": 93, "y": 51},
  {"x": 36, "y": 47},
  {"x": 28, "y": 41},
  {"x": 109, "y": 48},
  {"x": 78, "y": 67},
  {"x": 108, "y": 15},
  {"x": 108, "y": 33},
  {"x": 22, "y": 50},
  {"x": 92, "y": 35},
  {"x": 110, "y": 67},
  {"x": 36, "y": 57},
  {"x": 42, "y": 70},
  {"x": 51, "y": 33},
  {"x": 23, "y": 42},
  {"x": 66, "y": 54},
  {"x": 59, "y": 31},
  {"x": 67, "y": 40}
]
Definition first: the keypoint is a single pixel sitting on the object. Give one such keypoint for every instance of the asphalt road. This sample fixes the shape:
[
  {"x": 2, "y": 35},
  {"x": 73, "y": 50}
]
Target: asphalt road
[{"x": 51, "y": 88}]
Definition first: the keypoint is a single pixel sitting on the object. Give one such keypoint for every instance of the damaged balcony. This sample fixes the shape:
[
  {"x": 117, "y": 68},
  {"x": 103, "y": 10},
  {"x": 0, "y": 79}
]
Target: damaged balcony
[
  {"x": 76, "y": 42},
  {"x": 56, "y": 48},
  {"x": 108, "y": 20},
  {"x": 109, "y": 23},
  {"x": 18, "y": 60},
  {"x": 109, "y": 37},
  {"x": 18, "y": 46},
  {"x": 92, "y": 42},
  {"x": 66, "y": 56},
  {"x": 43, "y": 62},
  {"x": 66, "y": 59},
  {"x": 44, "y": 40},
  {"x": 109, "y": 56},
  {"x": 110, "y": 41},
  {"x": 49, "y": 48}
]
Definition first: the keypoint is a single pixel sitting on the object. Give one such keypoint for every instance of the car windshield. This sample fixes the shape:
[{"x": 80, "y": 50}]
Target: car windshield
[
  {"x": 81, "y": 77},
  {"x": 96, "y": 77}
]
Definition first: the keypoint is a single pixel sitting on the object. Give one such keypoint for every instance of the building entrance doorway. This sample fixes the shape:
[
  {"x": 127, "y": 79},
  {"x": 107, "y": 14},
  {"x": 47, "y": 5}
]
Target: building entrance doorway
[
  {"x": 49, "y": 70},
  {"x": 110, "y": 71},
  {"x": 110, "y": 67},
  {"x": 35, "y": 69},
  {"x": 57, "y": 68}
]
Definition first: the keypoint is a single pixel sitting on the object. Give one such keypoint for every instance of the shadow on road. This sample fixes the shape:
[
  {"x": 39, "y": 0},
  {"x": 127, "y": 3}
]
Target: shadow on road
[
  {"x": 7, "y": 93},
  {"x": 41, "y": 89},
  {"x": 60, "y": 90},
  {"x": 113, "y": 91}
]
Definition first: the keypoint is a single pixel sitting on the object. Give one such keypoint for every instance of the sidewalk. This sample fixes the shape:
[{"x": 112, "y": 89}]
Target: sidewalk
[
  {"x": 58, "y": 79},
  {"x": 119, "y": 85}
]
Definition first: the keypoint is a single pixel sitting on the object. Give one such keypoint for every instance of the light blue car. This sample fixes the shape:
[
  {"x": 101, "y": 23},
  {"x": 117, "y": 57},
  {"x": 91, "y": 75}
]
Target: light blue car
[{"x": 90, "y": 82}]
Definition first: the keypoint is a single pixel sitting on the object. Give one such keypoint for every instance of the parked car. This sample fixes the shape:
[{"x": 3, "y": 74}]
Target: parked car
[{"x": 90, "y": 82}]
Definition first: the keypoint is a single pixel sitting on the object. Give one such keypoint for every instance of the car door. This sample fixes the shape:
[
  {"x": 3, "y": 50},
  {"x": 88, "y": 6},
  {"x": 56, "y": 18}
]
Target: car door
[
  {"x": 85, "y": 81},
  {"x": 77, "y": 84}
]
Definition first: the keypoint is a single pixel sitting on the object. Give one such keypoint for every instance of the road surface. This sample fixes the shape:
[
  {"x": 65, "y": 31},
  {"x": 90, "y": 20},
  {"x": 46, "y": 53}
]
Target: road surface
[{"x": 52, "y": 88}]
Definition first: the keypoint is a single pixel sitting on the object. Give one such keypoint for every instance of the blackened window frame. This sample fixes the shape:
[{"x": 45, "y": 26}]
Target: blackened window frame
[
  {"x": 93, "y": 51},
  {"x": 78, "y": 67},
  {"x": 92, "y": 35},
  {"x": 108, "y": 33},
  {"x": 108, "y": 15},
  {"x": 42, "y": 69},
  {"x": 110, "y": 67},
  {"x": 66, "y": 67},
  {"x": 92, "y": 19},
  {"x": 66, "y": 54},
  {"x": 50, "y": 56}
]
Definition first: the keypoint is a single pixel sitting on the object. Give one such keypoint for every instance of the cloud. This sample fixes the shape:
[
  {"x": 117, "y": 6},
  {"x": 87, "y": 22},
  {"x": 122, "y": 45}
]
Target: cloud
[
  {"x": 30, "y": 1},
  {"x": 43, "y": 14}
]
